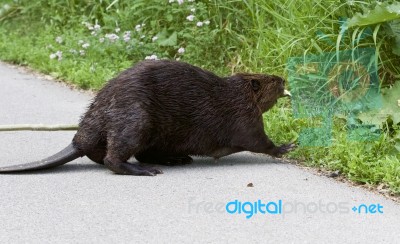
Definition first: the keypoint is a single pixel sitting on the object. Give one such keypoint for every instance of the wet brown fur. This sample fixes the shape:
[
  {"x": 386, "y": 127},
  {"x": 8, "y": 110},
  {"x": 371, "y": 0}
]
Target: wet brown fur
[{"x": 163, "y": 111}]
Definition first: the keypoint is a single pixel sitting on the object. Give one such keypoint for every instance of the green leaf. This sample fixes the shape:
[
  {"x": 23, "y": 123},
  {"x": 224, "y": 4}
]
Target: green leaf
[
  {"x": 395, "y": 27},
  {"x": 390, "y": 107},
  {"x": 381, "y": 13},
  {"x": 170, "y": 41},
  {"x": 391, "y": 102},
  {"x": 169, "y": 17},
  {"x": 397, "y": 146}
]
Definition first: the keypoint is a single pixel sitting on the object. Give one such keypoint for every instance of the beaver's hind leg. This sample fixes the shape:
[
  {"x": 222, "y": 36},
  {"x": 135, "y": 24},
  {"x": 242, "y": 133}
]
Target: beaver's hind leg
[
  {"x": 129, "y": 138},
  {"x": 98, "y": 153}
]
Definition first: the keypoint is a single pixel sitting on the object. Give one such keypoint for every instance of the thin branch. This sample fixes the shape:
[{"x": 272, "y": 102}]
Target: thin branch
[{"x": 38, "y": 127}]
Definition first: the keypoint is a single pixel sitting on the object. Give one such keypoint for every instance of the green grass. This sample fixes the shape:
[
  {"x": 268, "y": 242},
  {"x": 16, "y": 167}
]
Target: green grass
[{"x": 242, "y": 36}]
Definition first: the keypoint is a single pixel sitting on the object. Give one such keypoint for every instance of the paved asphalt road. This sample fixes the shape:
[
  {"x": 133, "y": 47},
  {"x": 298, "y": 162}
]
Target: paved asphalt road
[{"x": 82, "y": 202}]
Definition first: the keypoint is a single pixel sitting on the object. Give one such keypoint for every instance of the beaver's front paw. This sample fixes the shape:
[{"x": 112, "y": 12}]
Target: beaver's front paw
[{"x": 283, "y": 149}]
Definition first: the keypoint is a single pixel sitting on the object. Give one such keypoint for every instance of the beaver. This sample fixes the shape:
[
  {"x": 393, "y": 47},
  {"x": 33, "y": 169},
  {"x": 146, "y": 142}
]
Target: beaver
[{"x": 164, "y": 112}]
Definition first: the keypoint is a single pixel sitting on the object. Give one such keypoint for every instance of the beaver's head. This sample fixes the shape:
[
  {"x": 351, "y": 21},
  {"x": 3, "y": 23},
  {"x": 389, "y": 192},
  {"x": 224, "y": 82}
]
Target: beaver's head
[{"x": 266, "y": 89}]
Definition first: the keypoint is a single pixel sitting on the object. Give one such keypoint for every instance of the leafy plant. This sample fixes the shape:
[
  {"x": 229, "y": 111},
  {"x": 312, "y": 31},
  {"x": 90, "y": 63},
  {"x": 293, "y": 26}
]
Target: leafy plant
[{"x": 383, "y": 12}]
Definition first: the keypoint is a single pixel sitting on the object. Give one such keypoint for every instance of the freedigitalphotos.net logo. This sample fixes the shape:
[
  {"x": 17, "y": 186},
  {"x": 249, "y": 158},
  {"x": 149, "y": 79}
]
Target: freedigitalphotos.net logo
[{"x": 280, "y": 207}]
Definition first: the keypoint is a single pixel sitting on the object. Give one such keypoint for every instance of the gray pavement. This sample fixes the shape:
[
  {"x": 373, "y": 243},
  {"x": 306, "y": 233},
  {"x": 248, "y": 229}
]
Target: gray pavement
[{"x": 83, "y": 202}]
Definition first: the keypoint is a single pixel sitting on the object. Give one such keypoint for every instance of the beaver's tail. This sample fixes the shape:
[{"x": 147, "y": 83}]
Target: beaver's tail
[{"x": 64, "y": 156}]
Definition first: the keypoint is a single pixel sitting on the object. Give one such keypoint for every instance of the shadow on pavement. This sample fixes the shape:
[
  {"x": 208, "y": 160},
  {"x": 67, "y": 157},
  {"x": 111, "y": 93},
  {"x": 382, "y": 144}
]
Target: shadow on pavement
[{"x": 198, "y": 162}]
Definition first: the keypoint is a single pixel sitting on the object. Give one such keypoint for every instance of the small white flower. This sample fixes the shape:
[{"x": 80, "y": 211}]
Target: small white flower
[
  {"x": 80, "y": 42},
  {"x": 152, "y": 57},
  {"x": 181, "y": 50},
  {"x": 190, "y": 17},
  {"x": 207, "y": 22},
  {"x": 95, "y": 29},
  {"x": 101, "y": 39},
  {"x": 199, "y": 24},
  {"x": 117, "y": 30},
  {"x": 177, "y": 59},
  {"x": 171, "y": 1},
  {"x": 190, "y": 1},
  {"x": 142, "y": 36},
  {"x": 82, "y": 52},
  {"x": 85, "y": 45},
  {"x": 192, "y": 10},
  {"x": 127, "y": 36},
  {"x": 112, "y": 37},
  {"x": 57, "y": 55},
  {"x": 88, "y": 25},
  {"x": 180, "y": 1},
  {"x": 59, "y": 39},
  {"x": 139, "y": 27},
  {"x": 73, "y": 51},
  {"x": 154, "y": 38}
]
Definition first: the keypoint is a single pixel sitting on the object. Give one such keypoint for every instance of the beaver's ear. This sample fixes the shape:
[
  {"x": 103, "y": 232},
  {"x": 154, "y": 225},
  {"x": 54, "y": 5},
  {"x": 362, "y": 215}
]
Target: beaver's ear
[{"x": 255, "y": 84}]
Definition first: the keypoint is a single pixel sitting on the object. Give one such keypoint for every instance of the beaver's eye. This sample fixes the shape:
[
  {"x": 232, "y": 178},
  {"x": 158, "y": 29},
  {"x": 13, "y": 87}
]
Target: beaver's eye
[{"x": 256, "y": 85}]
